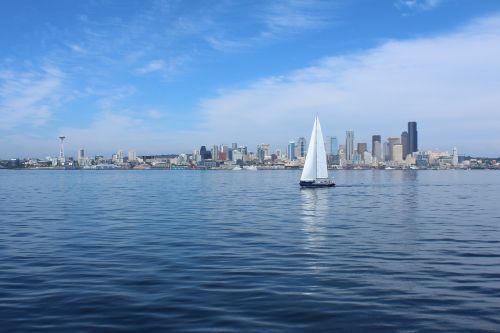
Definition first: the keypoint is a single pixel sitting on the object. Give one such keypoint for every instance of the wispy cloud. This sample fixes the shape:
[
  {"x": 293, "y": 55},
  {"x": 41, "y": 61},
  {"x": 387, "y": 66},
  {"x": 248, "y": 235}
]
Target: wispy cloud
[
  {"x": 29, "y": 97},
  {"x": 275, "y": 21},
  {"x": 417, "y": 5},
  {"x": 152, "y": 66},
  {"x": 297, "y": 15}
]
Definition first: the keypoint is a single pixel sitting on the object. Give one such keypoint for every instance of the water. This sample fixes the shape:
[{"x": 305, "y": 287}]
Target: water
[{"x": 385, "y": 251}]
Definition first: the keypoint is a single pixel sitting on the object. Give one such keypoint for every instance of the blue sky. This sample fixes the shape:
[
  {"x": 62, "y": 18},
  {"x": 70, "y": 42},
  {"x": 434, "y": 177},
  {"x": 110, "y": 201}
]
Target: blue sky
[{"x": 169, "y": 76}]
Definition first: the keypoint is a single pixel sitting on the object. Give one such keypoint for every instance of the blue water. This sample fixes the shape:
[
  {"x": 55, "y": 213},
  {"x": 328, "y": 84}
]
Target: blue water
[{"x": 198, "y": 251}]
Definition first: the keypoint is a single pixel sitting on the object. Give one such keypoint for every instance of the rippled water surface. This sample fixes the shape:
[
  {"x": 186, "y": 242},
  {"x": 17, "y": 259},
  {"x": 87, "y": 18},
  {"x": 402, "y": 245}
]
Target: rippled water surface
[{"x": 385, "y": 251}]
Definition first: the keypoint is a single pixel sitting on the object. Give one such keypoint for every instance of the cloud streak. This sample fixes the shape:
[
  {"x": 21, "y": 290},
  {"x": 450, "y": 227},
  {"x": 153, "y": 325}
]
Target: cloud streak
[{"x": 29, "y": 98}]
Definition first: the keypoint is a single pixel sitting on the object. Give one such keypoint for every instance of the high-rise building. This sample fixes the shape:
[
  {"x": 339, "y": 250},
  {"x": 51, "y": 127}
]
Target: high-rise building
[
  {"x": 237, "y": 155},
  {"x": 234, "y": 146},
  {"x": 119, "y": 156},
  {"x": 397, "y": 152},
  {"x": 349, "y": 145},
  {"x": 243, "y": 150},
  {"x": 412, "y": 137},
  {"x": 376, "y": 147},
  {"x": 203, "y": 152},
  {"x": 132, "y": 156},
  {"x": 215, "y": 152},
  {"x": 341, "y": 154},
  {"x": 260, "y": 153},
  {"x": 391, "y": 142},
  {"x": 362, "y": 147},
  {"x": 277, "y": 152},
  {"x": 334, "y": 145},
  {"x": 386, "y": 151},
  {"x": 454, "y": 159},
  {"x": 405, "y": 143},
  {"x": 81, "y": 157},
  {"x": 81, "y": 153},
  {"x": 291, "y": 151},
  {"x": 331, "y": 145},
  {"x": 267, "y": 149},
  {"x": 301, "y": 147}
]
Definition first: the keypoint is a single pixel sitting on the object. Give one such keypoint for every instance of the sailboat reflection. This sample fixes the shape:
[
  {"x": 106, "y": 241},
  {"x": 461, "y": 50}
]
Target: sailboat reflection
[{"x": 315, "y": 215}]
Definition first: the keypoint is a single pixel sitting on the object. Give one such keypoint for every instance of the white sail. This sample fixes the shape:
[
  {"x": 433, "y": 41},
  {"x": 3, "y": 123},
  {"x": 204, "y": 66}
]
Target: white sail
[
  {"x": 309, "y": 171},
  {"x": 321, "y": 167},
  {"x": 315, "y": 166}
]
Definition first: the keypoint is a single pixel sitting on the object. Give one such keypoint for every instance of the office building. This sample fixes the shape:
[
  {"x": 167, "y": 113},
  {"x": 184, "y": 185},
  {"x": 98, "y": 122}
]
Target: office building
[
  {"x": 349, "y": 145},
  {"x": 397, "y": 152},
  {"x": 390, "y": 143},
  {"x": 412, "y": 137},
  {"x": 132, "y": 156},
  {"x": 215, "y": 152},
  {"x": 261, "y": 155},
  {"x": 291, "y": 151},
  {"x": 362, "y": 148},
  {"x": 405, "y": 143},
  {"x": 377, "y": 147},
  {"x": 301, "y": 147}
]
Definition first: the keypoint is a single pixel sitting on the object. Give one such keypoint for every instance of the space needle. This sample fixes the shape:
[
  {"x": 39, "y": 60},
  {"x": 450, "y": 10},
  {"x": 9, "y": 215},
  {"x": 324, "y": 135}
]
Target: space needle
[{"x": 61, "y": 151}]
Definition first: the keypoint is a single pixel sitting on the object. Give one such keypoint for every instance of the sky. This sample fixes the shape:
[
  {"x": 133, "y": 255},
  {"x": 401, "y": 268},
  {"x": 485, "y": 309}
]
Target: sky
[{"x": 169, "y": 76}]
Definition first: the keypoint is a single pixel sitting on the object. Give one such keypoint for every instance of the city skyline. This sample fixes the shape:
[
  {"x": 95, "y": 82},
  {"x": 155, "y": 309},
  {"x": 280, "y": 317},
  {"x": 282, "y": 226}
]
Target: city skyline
[
  {"x": 297, "y": 147},
  {"x": 164, "y": 78}
]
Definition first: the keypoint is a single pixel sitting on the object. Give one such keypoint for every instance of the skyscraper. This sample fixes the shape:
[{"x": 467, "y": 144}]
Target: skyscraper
[
  {"x": 334, "y": 145},
  {"x": 391, "y": 142},
  {"x": 260, "y": 153},
  {"x": 132, "y": 155},
  {"x": 405, "y": 143},
  {"x": 349, "y": 145},
  {"x": 397, "y": 152},
  {"x": 376, "y": 147},
  {"x": 215, "y": 152},
  {"x": 412, "y": 137},
  {"x": 291, "y": 151},
  {"x": 301, "y": 147},
  {"x": 362, "y": 147}
]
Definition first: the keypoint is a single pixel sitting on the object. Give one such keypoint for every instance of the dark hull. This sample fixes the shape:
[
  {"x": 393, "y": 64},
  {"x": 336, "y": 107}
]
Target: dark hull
[{"x": 317, "y": 184}]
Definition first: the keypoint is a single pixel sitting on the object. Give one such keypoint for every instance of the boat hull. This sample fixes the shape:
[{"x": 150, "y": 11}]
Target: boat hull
[{"x": 329, "y": 183}]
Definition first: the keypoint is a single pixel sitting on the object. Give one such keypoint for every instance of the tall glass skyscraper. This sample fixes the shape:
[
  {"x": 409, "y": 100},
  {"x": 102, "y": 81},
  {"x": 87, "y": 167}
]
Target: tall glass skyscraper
[
  {"x": 332, "y": 145},
  {"x": 349, "y": 145},
  {"x": 291, "y": 151},
  {"x": 412, "y": 137}
]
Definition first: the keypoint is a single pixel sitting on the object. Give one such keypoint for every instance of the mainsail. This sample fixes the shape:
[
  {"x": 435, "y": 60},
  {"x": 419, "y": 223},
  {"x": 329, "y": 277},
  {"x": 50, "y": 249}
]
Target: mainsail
[{"x": 315, "y": 166}]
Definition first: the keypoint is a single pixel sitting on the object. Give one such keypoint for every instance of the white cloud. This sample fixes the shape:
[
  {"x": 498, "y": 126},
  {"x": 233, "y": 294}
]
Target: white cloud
[
  {"x": 152, "y": 66},
  {"x": 29, "y": 97},
  {"x": 418, "y": 5},
  {"x": 448, "y": 84}
]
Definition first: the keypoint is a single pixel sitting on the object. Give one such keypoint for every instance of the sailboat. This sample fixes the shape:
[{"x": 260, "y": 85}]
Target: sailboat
[{"x": 315, "y": 173}]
